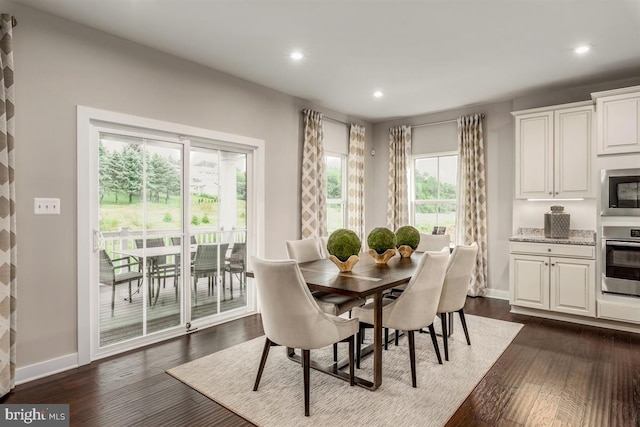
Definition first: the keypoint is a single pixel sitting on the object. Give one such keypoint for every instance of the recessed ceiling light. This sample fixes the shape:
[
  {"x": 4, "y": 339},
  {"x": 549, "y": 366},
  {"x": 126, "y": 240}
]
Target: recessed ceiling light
[
  {"x": 378, "y": 94},
  {"x": 296, "y": 56},
  {"x": 582, "y": 49}
]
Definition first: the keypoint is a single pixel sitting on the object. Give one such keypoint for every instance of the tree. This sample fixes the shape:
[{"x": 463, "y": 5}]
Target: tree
[
  {"x": 241, "y": 185},
  {"x": 334, "y": 184},
  {"x": 104, "y": 177},
  {"x": 132, "y": 163}
]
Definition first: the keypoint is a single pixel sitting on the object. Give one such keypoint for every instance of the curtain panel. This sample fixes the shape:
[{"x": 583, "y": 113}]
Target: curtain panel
[
  {"x": 472, "y": 196},
  {"x": 313, "y": 190},
  {"x": 355, "y": 181},
  {"x": 7, "y": 211},
  {"x": 399, "y": 163}
]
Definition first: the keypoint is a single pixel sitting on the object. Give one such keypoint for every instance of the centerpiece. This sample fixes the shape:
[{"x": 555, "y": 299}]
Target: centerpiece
[
  {"x": 344, "y": 246},
  {"x": 382, "y": 244},
  {"x": 407, "y": 240}
]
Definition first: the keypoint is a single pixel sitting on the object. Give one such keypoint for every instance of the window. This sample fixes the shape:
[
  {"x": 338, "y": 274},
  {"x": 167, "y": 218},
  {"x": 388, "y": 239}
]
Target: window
[
  {"x": 435, "y": 192},
  {"x": 336, "y": 191}
]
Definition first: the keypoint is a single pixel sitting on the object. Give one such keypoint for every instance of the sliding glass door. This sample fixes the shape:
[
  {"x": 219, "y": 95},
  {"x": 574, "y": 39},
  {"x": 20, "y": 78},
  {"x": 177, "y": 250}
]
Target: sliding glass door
[{"x": 172, "y": 225}]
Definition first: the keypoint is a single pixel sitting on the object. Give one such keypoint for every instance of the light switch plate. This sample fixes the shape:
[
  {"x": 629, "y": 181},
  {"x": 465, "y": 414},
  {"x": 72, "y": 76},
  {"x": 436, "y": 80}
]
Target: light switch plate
[{"x": 46, "y": 206}]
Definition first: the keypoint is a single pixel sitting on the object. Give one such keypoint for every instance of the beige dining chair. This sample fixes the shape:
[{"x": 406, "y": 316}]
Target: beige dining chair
[
  {"x": 306, "y": 250},
  {"x": 414, "y": 309},
  {"x": 433, "y": 242},
  {"x": 291, "y": 318},
  {"x": 454, "y": 291}
]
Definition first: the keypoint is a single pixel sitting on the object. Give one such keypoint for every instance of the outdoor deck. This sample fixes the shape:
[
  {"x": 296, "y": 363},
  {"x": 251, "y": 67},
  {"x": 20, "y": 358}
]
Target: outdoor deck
[{"x": 126, "y": 321}]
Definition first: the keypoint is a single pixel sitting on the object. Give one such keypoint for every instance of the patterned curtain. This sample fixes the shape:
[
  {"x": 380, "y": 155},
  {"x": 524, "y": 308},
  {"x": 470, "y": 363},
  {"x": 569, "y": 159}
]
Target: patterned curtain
[
  {"x": 399, "y": 158},
  {"x": 472, "y": 196},
  {"x": 355, "y": 181},
  {"x": 7, "y": 212},
  {"x": 314, "y": 194}
]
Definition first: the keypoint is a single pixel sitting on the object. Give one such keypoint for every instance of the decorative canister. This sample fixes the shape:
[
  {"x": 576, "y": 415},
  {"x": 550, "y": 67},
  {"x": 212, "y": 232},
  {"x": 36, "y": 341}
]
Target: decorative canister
[{"x": 556, "y": 223}]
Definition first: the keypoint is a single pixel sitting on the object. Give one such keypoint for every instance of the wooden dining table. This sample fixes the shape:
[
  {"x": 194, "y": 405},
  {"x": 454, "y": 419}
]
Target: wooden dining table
[{"x": 369, "y": 280}]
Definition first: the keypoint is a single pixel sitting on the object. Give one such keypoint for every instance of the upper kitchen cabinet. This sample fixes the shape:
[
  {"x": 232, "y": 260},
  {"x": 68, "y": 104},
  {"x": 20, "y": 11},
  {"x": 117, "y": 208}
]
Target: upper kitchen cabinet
[
  {"x": 618, "y": 120},
  {"x": 554, "y": 152}
]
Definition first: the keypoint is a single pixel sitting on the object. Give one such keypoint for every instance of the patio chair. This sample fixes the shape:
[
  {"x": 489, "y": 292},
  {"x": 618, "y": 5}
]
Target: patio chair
[
  {"x": 209, "y": 263},
  {"x": 236, "y": 264},
  {"x": 109, "y": 277}
]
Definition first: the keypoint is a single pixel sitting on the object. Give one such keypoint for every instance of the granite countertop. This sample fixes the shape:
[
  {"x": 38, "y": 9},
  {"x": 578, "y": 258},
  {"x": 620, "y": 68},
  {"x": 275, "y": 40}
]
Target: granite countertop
[{"x": 536, "y": 235}]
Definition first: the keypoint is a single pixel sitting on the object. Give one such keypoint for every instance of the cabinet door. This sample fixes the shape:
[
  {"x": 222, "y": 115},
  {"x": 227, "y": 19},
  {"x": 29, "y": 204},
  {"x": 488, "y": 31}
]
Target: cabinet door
[
  {"x": 619, "y": 124},
  {"x": 573, "y": 286},
  {"x": 529, "y": 278},
  {"x": 573, "y": 152},
  {"x": 534, "y": 155}
]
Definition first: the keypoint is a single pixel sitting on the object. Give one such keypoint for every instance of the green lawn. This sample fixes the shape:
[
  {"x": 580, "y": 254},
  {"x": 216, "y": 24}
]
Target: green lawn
[{"x": 161, "y": 215}]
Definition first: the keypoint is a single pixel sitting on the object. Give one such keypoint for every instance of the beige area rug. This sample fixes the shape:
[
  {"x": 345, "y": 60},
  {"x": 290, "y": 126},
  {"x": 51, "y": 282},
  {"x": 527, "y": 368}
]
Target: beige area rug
[{"x": 228, "y": 376}]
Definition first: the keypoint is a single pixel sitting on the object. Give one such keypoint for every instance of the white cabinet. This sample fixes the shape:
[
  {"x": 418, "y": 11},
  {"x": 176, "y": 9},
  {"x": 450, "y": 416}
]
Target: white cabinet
[
  {"x": 562, "y": 281},
  {"x": 554, "y": 152},
  {"x": 618, "y": 113}
]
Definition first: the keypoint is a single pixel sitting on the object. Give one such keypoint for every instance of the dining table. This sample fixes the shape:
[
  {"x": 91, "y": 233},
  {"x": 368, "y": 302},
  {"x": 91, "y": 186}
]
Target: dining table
[{"x": 367, "y": 279}]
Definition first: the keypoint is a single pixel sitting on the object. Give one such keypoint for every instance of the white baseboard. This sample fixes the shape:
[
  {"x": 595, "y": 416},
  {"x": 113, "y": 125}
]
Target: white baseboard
[
  {"x": 589, "y": 321},
  {"x": 496, "y": 293},
  {"x": 46, "y": 368}
]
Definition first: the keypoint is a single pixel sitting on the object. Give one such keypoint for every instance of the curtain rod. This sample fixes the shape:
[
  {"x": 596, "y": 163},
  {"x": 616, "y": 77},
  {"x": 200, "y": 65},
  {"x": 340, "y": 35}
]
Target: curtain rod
[
  {"x": 439, "y": 123},
  {"x": 335, "y": 120}
]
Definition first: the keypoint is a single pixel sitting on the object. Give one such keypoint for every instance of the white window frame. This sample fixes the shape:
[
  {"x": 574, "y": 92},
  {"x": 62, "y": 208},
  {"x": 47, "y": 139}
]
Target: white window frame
[
  {"x": 344, "y": 200},
  {"x": 412, "y": 184}
]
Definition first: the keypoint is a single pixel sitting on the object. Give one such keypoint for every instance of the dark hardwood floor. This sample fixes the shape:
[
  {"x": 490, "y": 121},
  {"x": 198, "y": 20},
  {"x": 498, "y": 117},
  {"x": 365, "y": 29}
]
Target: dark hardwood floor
[{"x": 554, "y": 373}]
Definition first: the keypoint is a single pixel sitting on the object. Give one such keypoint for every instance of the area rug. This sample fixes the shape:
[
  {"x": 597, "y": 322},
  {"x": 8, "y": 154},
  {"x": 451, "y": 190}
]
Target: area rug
[{"x": 227, "y": 377}]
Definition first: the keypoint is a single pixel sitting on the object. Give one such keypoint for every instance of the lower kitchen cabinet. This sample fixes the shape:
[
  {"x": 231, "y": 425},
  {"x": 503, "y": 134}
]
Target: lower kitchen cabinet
[{"x": 563, "y": 281}]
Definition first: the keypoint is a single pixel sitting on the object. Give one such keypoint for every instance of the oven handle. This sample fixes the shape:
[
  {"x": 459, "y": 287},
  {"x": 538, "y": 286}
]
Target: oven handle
[{"x": 619, "y": 243}]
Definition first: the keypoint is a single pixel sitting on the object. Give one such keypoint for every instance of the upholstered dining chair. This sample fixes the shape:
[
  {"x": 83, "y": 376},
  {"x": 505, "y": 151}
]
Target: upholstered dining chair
[
  {"x": 324, "y": 251},
  {"x": 454, "y": 290},
  {"x": 291, "y": 317},
  {"x": 432, "y": 242},
  {"x": 414, "y": 309},
  {"x": 209, "y": 263},
  {"x": 306, "y": 250},
  {"x": 109, "y": 277}
]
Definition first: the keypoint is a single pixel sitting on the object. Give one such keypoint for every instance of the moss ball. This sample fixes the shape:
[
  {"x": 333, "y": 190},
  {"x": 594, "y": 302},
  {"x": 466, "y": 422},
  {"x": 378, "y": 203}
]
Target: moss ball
[
  {"x": 380, "y": 239},
  {"x": 343, "y": 243},
  {"x": 408, "y": 235}
]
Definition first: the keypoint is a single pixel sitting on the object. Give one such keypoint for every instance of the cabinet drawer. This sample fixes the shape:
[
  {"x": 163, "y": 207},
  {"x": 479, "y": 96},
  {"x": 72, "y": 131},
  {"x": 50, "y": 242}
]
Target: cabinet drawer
[
  {"x": 576, "y": 251},
  {"x": 617, "y": 311}
]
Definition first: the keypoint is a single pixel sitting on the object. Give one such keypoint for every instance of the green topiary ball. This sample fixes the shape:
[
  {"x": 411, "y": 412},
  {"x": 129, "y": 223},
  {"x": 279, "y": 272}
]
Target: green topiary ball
[
  {"x": 343, "y": 243},
  {"x": 407, "y": 235},
  {"x": 380, "y": 239}
]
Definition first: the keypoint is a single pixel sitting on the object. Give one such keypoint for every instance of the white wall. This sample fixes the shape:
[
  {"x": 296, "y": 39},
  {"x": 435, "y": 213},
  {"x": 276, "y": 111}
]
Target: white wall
[{"x": 60, "y": 65}]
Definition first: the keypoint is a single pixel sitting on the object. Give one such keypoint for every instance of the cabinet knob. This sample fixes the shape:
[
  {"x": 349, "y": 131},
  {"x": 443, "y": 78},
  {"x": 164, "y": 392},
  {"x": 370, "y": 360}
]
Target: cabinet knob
[
  {"x": 553, "y": 264},
  {"x": 546, "y": 263},
  {"x": 549, "y": 250},
  {"x": 556, "y": 192},
  {"x": 550, "y": 193}
]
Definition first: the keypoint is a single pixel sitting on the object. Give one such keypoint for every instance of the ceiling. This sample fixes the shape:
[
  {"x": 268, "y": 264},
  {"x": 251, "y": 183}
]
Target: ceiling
[{"x": 425, "y": 56}]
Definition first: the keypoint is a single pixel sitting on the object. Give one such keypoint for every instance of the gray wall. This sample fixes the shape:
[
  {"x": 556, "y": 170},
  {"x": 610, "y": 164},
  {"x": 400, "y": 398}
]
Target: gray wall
[{"x": 60, "y": 65}]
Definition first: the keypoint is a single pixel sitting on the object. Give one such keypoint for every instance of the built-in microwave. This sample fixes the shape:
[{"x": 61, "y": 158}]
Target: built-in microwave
[{"x": 620, "y": 192}]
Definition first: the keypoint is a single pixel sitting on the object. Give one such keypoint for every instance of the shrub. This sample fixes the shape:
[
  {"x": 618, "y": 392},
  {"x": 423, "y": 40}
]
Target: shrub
[
  {"x": 205, "y": 219},
  {"x": 380, "y": 239},
  {"x": 195, "y": 220},
  {"x": 407, "y": 235},
  {"x": 167, "y": 217},
  {"x": 343, "y": 243}
]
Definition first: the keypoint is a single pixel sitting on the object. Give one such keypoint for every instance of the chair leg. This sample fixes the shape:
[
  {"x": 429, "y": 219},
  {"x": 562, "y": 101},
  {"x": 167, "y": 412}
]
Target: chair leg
[
  {"x": 397, "y": 337},
  {"x": 113, "y": 298},
  {"x": 195, "y": 289},
  {"x": 386, "y": 338},
  {"x": 352, "y": 380},
  {"x": 306, "y": 367},
  {"x": 434, "y": 339},
  {"x": 443, "y": 320},
  {"x": 335, "y": 352},
  {"x": 412, "y": 357},
  {"x": 263, "y": 361},
  {"x": 359, "y": 346},
  {"x": 464, "y": 325}
]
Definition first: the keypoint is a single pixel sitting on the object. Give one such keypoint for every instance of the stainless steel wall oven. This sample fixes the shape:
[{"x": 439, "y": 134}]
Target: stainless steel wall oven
[{"x": 621, "y": 260}]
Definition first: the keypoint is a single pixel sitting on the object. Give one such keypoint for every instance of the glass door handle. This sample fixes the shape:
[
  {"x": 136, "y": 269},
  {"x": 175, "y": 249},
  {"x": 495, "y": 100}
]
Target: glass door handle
[{"x": 98, "y": 240}]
